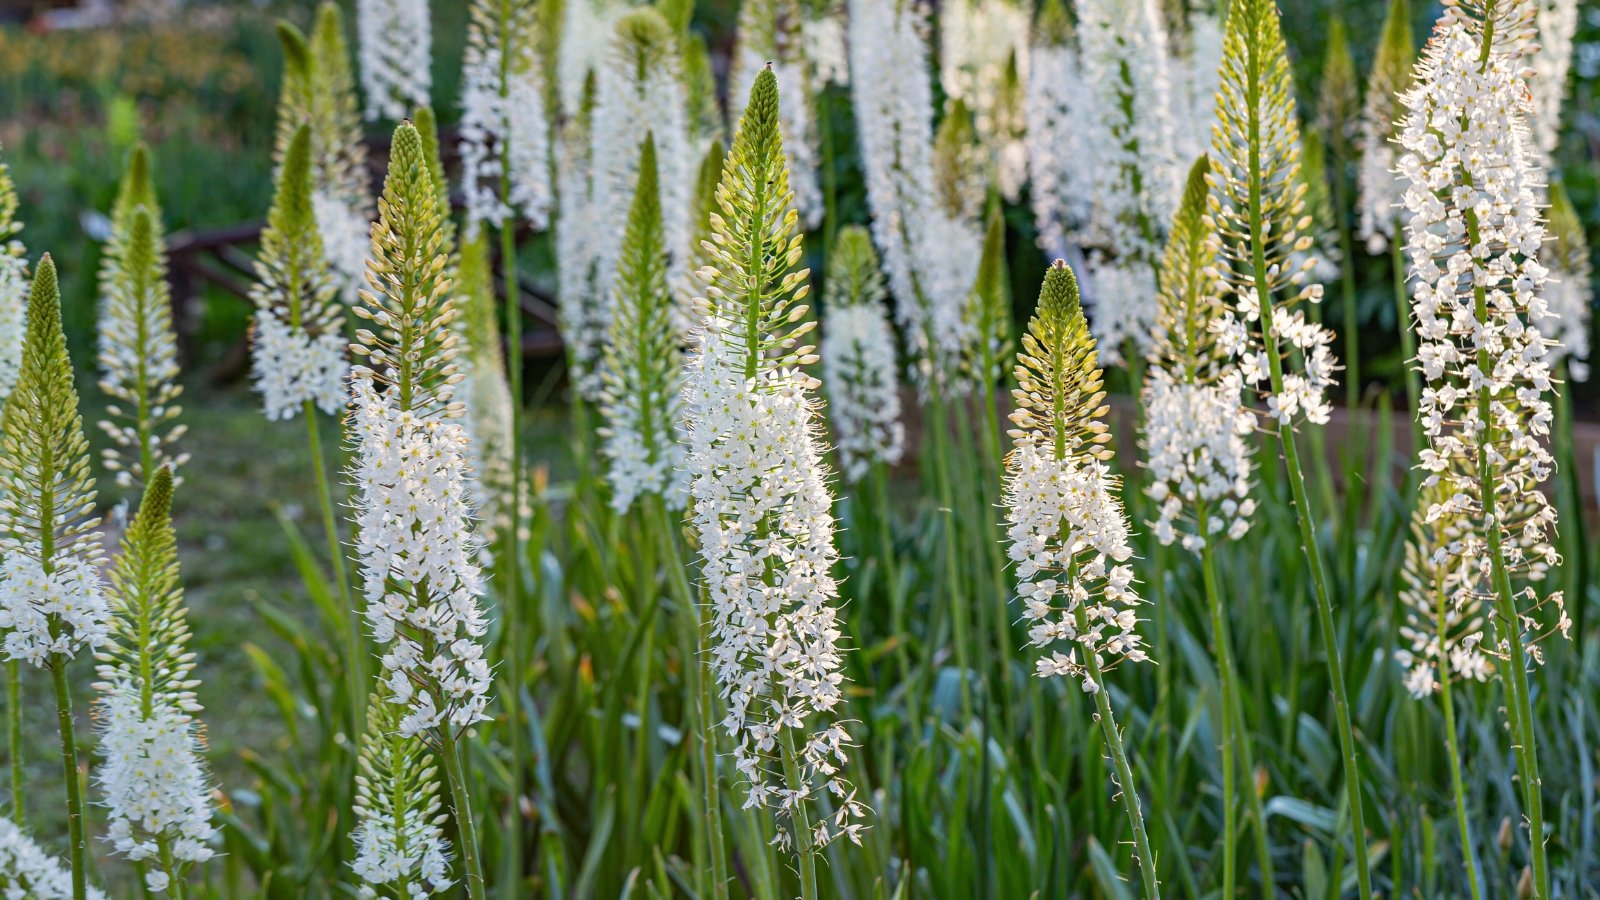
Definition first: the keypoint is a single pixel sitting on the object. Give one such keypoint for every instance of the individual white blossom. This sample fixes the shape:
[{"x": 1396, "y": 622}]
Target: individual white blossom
[
  {"x": 930, "y": 257},
  {"x": 1060, "y": 163},
  {"x": 55, "y": 613},
  {"x": 396, "y": 56},
  {"x": 154, "y": 779},
  {"x": 399, "y": 835},
  {"x": 417, "y": 552},
  {"x": 291, "y": 366},
  {"x": 858, "y": 360},
  {"x": 504, "y": 134},
  {"x": 1557, "y": 24},
  {"x": 28, "y": 873},
  {"x": 1474, "y": 227}
]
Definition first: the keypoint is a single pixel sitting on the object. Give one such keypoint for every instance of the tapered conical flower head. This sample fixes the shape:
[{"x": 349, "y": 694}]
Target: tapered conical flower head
[
  {"x": 1259, "y": 221},
  {"x": 27, "y": 872},
  {"x": 761, "y": 505},
  {"x": 1382, "y": 190},
  {"x": 298, "y": 345},
  {"x": 505, "y": 152},
  {"x": 416, "y": 546},
  {"x": 1473, "y": 239},
  {"x": 138, "y": 348},
  {"x": 154, "y": 777},
  {"x": 642, "y": 395},
  {"x": 342, "y": 190},
  {"x": 858, "y": 359},
  {"x": 401, "y": 850},
  {"x": 396, "y": 38},
  {"x": 1195, "y": 426},
  {"x": 13, "y": 286},
  {"x": 52, "y": 598},
  {"x": 1068, "y": 533}
]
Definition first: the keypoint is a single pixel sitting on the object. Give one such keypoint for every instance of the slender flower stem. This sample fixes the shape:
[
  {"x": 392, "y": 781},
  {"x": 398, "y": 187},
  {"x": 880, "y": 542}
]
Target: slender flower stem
[
  {"x": 14, "y": 728},
  {"x": 69, "y": 766},
  {"x": 946, "y": 497},
  {"x": 1124, "y": 772},
  {"x": 1305, "y": 518},
  {"x": 891, "y": 574},
  {"x": 513, "y": 569},
  {"x": 355, "y": 667},
  {"x": 1460, "y": 791},
  {"x": 800, "y": 821},
  {"x": 460, "y": 800},
  {"x": 1226, "y": 680}
]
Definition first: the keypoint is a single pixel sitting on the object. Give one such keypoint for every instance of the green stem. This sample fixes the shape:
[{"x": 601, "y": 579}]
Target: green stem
[
  {"x": 355, "y": 666},
  {"x": 1225, "y": 679},
  {"x": 14, "y": 733},
  {"x": 1123, "y": 771},
  {"x": 460, "y": 799},
  {"x": 69, "y": 765},
  {"x": 955, "y": 602},
  {"x": 891, "y": 573},
  {"x": 1347, "y": 286},
  {"x": 1456, "y": 784},
  {"x": 514, "y": 558},
  {"x": 799, "y": 820}
]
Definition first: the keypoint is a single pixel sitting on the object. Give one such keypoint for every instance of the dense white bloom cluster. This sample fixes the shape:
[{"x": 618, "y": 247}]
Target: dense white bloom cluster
[
  {"x": 55, "y": 613},
  {"x": 503, "y": 127},
  {"x": 396, "y": 55},
  {"x": 1473, "y": 238},
  {"x": 13, "y": 303},
  {"x": 345, "y": 242},
  {"x": 399, "y": 835},
  {"x": 1380, "y": 188},
  {"x": 154, "y": 778},
  {"x": 587, "y": 28},
  {"x": 639, "y": 92},
  {"x": 27, "y": 873},
  {"x": 1136, "y": 181},
  {"x": 930, "y": 257},
  {"x": 417, "y": 550},
  {"x": 858, "y": 365},
  {"x": 983, "y": 62},
  {"x": 1069, "y": 540},
  {"x": 636, "y": 466},
  {"x": 1304, "y": 392},
  {"x": 290, "y": 366},
  {"x": 583, "y": 311},
  {"x": 1059, "y": 154},
  {"x": 826, "y": 56},
  {"x": 763, "y": 515},
  {"x": 1557, "y": 24},
  {"x": 1443, "y": 599},
  {"x": 1198, "y": 453},
  {"x": 1123, "y": 307}
]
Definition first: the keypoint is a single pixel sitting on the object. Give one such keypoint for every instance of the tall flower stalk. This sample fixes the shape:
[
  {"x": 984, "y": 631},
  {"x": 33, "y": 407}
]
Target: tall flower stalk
[
  {"x": 1256, "y": 217},
  {"x": 342, "y": 196},
  {"x": 1199, "y": 460},
  {"x": 53, "y": 602},
  {"x": 13, "y": 328},
  {"x": 416, "y": 544},
  {"x": 154, "y": 774},
  {"x": 1068, "y": 533},
  {"x": 298, "y": 361},
  {"x": 761, "y": 507},
  {"x": 1473, "y": 238},
  {"x": 138, "y": 349}
]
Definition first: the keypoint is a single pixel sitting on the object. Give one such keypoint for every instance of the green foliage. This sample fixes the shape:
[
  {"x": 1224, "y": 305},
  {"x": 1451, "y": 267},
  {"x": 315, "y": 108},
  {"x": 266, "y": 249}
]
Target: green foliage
[
  {"x": 410, "y": 345},
  {"x": 1060, "y": 394},
  {"x": 1391, "y": 66},
  {"x": 48, "y": 511}
]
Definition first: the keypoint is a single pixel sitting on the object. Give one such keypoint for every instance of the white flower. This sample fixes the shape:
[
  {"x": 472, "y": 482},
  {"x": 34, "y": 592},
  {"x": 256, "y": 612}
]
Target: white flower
[
  {"x": 26, "y": 873},
  {"x": 54, "y": 614},
  {"x": 825, "y": 52},
  {"x": 858, "y": 365},
  {"x": 291, "y": 366},
  {"x": 1474, "y": 226},
  {"x": 1198, "y": 453},
  {"x": 583, "y": 313},
  {"x": 417, "y": 549},
  {"x": 503, "y": 127},
  {"x": 154, "y": 778},
  {"x": 396, "y": 54},
  {"x": 930, "y": 258},
  {"x": 1069, "y": 541},
  {"x": 1557, "y": 23},
  {"x": 1443, "y": 597},
  {"x": 1193, "y": 69},
  {"x": 1123, "y": 310}
]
